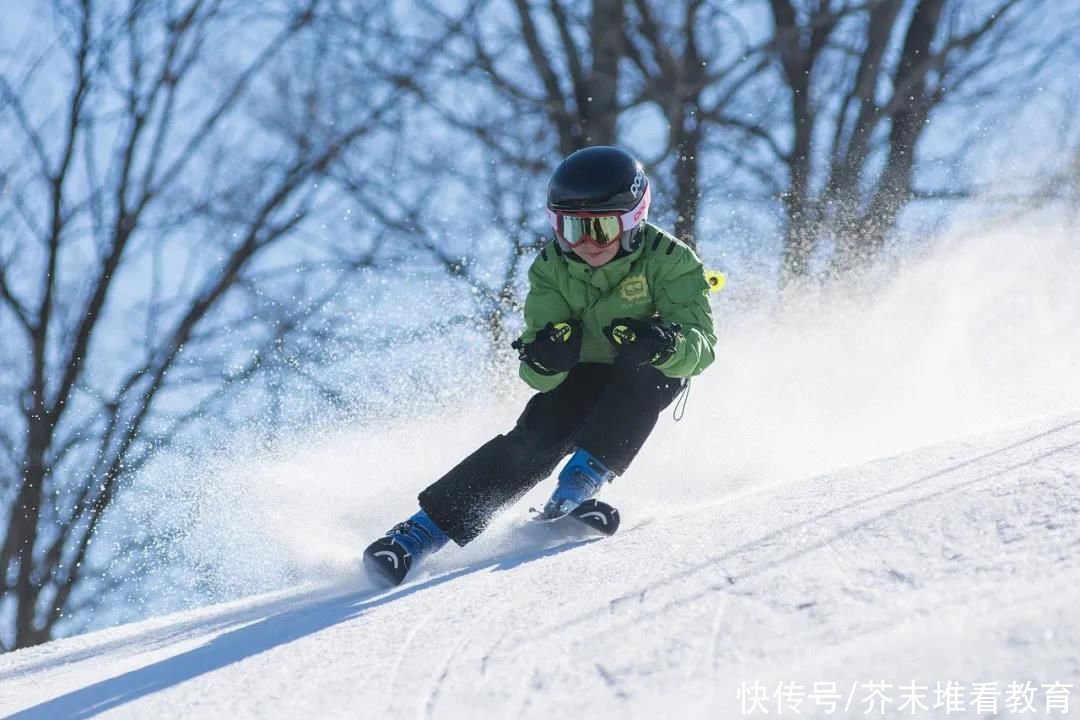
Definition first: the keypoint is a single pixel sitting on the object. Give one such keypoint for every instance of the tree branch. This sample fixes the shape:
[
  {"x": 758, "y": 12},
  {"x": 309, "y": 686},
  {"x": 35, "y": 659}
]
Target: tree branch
[
  {"x": 13, "y": 303},
  {"x": 555, "y": 101}
]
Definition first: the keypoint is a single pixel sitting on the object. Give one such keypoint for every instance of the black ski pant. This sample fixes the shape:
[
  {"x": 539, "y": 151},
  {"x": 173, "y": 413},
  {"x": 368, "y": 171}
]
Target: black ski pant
[{"x": 607, "y": 410}]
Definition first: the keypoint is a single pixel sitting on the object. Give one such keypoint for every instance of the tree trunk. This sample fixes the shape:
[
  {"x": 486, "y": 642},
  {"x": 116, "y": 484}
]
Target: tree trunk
[
  {"x": 861, "y": 245},
  {"x": 801, "y": 221},
  {"x": 601, "y": 112}
]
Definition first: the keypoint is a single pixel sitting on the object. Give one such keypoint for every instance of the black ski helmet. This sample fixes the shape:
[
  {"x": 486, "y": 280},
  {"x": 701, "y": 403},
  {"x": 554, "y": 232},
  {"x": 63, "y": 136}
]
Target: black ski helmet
[{"x": 601, "y": 179}]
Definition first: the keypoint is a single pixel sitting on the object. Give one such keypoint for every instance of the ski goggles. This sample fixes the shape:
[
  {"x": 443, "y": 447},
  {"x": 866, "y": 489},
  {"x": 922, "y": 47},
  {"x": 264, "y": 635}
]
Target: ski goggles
[{"x": 600, "y": 229}]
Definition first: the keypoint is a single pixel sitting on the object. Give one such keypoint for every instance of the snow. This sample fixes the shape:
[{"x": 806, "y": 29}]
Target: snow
[
  {"x": 955, "y": 562},
  {"x": 879, "y": 491}
]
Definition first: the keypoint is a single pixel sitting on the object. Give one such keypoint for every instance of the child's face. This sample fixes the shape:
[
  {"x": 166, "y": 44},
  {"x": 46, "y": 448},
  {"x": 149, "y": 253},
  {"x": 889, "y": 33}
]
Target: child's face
[{"x": 596, "y": 256}]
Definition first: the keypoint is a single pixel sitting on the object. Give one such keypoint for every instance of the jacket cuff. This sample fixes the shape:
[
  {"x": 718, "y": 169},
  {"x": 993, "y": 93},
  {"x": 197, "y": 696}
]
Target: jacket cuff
[
  {"x": 669, "y": 366},
  {"x": 539, "y": 382}
]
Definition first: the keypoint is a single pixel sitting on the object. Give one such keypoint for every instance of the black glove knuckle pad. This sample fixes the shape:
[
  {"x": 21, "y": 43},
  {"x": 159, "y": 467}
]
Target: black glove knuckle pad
[
  {"x": 642, "y": 342},
  {"x": 556, "y": 348}
]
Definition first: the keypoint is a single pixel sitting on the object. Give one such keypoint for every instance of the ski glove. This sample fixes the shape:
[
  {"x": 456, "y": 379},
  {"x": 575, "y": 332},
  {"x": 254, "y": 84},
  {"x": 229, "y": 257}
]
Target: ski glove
[
  {"x": 643, "y": 342},
  {"x": 556, "y": 348}
]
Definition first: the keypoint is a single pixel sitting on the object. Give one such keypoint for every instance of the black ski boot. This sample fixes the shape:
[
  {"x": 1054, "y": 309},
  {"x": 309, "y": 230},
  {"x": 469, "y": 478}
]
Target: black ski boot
[{"x": 388, "y": 559}]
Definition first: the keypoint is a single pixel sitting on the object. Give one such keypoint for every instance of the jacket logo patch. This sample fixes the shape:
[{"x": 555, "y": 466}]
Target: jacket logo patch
[{"x": 634, "y": 289}]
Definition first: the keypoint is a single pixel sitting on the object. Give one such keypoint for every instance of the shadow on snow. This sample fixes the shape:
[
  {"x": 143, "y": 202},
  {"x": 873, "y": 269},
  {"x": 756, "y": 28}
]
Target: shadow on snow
[{"x": 249, "y": 640}]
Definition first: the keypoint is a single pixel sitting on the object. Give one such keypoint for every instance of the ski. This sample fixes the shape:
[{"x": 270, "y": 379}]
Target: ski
[{"x": 594, "y": 514}]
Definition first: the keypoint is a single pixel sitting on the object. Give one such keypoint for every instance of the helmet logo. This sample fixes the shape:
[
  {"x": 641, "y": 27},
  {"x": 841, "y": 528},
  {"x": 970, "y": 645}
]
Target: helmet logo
[
  {"x": 639, "y": 180},
  {"x": 642, "y": 206}
]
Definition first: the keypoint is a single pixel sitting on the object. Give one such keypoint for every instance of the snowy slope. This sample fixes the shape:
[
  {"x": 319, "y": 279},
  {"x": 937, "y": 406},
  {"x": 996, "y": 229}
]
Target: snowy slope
[{"x": 956, "y": 562}]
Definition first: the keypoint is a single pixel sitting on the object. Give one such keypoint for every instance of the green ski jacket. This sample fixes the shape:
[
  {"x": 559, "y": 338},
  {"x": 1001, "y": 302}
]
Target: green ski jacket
[{"x": 662, "y": 277}]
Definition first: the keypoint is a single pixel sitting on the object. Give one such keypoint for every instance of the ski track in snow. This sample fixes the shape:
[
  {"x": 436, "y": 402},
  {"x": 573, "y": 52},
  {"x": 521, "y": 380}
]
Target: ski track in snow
[{"x": 956, "y": 562}]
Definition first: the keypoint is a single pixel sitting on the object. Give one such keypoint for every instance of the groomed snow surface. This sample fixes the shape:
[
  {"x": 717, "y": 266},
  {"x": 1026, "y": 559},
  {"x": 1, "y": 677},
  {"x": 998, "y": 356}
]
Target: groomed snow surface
[{"x": 958, "y": 562}]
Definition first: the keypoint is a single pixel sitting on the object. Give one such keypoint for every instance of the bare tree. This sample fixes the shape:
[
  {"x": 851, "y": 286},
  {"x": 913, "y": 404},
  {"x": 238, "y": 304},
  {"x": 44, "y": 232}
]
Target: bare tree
[
  {"x": 574, "y": 49},
  {"x": 146, "y": 220},
  {"x": 485, "y": 130},
  {"x": 691, "y": 58},
  {"x": 825, "y": 110},
  {"x": 489, "y": 268},
  {"x": 862, "y": 82}
]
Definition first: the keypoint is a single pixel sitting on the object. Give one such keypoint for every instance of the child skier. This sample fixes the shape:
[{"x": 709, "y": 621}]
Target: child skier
[{"x": 616, "y": 318}]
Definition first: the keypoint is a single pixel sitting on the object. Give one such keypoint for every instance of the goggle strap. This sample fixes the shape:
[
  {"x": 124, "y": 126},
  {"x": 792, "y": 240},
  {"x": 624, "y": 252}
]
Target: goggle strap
[{"x": 630, "y": 220}]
